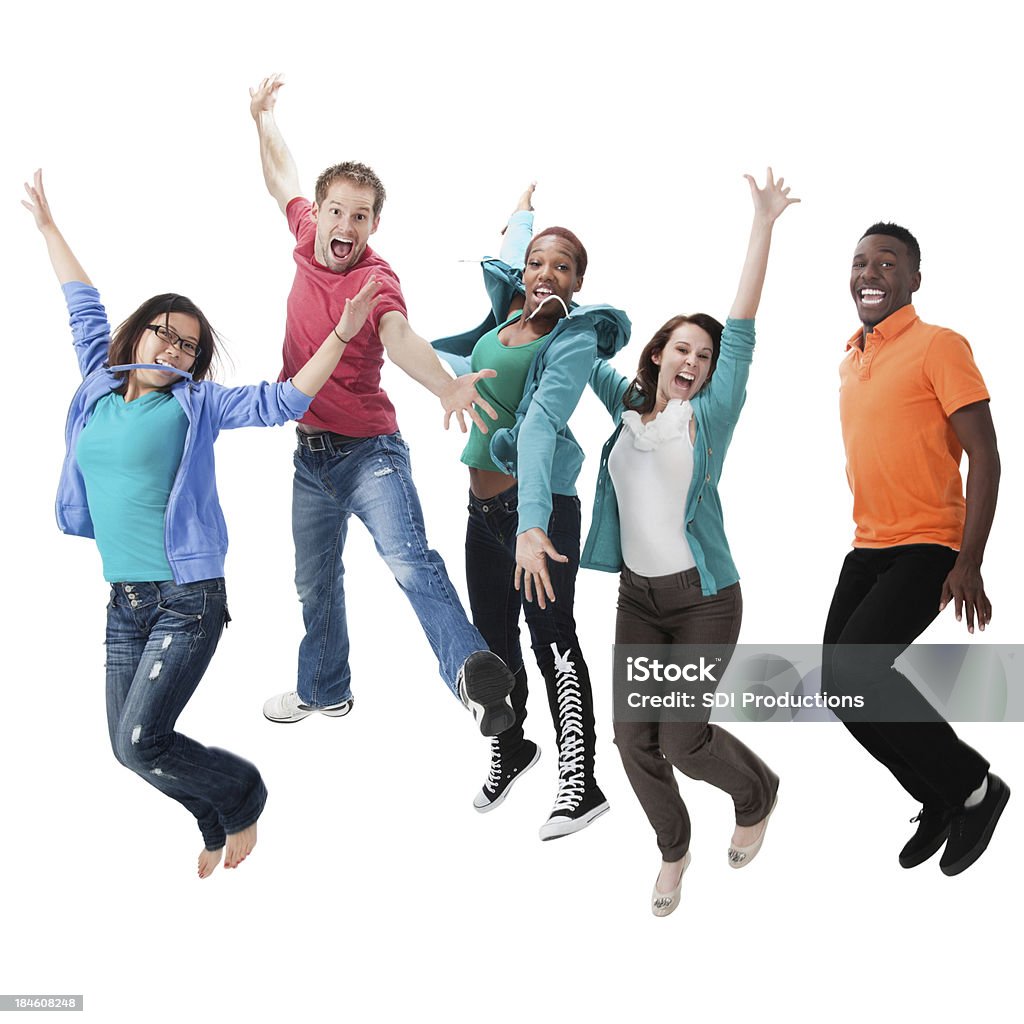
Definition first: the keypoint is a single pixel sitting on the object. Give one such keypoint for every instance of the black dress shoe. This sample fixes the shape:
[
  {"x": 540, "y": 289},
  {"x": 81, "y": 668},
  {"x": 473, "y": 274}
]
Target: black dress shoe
[
  {"x": 932, "y": 830},
  {"x": 972, "y": 828}
]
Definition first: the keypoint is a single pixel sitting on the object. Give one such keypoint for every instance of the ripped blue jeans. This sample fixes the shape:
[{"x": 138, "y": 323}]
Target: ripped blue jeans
[
  {"x": 160, "y": 639},
  {"x": 369, "y": 478}
]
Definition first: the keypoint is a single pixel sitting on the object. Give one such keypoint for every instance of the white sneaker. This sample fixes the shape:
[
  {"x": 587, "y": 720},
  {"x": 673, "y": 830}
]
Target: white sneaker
[{"x": 286, "y": 707}]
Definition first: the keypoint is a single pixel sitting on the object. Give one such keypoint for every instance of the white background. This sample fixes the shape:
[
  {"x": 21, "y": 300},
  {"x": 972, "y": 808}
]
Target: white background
[{"x": 375, "y": 891}]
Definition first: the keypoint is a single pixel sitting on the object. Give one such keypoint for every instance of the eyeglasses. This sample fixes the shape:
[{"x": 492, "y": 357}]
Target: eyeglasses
[{"x": 170, "y": 335}]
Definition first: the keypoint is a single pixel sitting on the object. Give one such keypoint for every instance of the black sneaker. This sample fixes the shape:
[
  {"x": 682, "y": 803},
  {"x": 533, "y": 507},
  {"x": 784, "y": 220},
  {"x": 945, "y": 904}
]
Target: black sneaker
[
  {"x": 972, "y": 828},
  {"x": 576, "y": 806},
  {"x": 932, "y": 830},
  {"x": 504, "y": 772},
  {"x": 484, "y": 683}
]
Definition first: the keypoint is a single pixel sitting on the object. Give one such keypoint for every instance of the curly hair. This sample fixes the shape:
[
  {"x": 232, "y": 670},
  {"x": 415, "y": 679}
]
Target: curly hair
[{"x": 895, "y": 231}]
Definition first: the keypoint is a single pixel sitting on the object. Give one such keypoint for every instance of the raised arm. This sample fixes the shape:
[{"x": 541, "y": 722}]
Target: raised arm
[
  {"x": 64, "y": 262},
  {"x": 516, "y": 234},
  {"x": 769, "y": 202},
  {"x": 279, "y": 170}
]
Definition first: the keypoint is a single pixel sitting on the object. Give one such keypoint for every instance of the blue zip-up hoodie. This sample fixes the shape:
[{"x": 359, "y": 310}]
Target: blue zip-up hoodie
[
  {"x": 539, "y": 450},
  {"x": 716, "y": 408},
  {"x": 195, "y": 534}
]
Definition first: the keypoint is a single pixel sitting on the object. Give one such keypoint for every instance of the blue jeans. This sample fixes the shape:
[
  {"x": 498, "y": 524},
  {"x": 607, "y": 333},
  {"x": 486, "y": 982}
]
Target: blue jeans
[
  {"x": 369, "y": 478},
  {"x": 490, "y": 576},
  {"x": 160, "y": 639}
]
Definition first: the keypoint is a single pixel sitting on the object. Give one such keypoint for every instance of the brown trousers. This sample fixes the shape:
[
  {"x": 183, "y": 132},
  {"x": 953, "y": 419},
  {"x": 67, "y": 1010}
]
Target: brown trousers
[{"x": 672, "y": 610}]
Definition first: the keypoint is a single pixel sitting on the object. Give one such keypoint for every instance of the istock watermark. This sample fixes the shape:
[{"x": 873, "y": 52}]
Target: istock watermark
[{"x": 811, "y": 683}]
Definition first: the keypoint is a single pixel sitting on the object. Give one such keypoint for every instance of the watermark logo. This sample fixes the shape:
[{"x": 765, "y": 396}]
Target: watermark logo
[{"x": 808, "y": 682}]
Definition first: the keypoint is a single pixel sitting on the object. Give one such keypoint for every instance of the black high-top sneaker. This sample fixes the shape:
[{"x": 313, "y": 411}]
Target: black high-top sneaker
[
  {"x": 578, "y": 803},
  {"x": 505, "y": 769},
  {"x": 579, "y": 800}
]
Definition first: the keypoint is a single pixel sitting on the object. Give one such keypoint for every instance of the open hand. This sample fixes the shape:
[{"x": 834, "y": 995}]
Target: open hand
[
  {"x": 36, "y": 203},
  {"x": 264, "y": 96},
  {"x": 533, "y": 549},
  {"x": 357, "y": 309},
  {"x": 770, "y": 201},
  {"x": 461, "y": 396}
]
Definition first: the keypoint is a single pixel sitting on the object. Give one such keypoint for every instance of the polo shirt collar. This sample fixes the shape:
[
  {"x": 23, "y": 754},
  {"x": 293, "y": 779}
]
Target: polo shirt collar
[{"x": 891, "y": 327}]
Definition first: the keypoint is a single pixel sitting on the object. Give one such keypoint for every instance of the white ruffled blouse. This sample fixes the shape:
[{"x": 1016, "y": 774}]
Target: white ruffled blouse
[{"x": 651, "y": 466}]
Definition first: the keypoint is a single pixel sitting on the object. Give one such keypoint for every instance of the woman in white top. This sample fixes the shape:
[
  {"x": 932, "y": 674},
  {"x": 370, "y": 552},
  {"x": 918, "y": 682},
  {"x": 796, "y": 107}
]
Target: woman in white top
[{"x": 658, "y": 520}]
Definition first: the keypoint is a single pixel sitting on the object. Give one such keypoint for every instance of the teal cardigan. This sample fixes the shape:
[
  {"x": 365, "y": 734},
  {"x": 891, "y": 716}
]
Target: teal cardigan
[
  {"x": 716, "y": 408},
  {"x": 539, "y": 450}
]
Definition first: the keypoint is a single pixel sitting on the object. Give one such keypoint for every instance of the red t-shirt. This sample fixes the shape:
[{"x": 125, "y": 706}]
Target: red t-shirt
[{"x": 352, "y": 401}]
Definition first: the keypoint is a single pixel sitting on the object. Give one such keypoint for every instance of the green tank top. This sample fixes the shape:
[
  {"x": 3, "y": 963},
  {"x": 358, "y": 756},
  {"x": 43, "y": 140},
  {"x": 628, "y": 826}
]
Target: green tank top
[{"x": 504, "y": 392}]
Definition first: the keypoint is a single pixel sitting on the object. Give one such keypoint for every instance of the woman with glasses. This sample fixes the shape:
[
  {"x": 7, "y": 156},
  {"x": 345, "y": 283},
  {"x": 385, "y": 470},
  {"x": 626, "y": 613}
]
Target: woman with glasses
[
  {"x": 138, "y": 476},
  {"x": 658, "y": 521}
]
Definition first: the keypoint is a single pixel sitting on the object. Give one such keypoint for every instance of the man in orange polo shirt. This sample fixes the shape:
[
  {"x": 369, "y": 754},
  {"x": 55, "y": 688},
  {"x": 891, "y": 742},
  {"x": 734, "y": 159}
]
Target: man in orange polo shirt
[{"x": 911, "y": 402}]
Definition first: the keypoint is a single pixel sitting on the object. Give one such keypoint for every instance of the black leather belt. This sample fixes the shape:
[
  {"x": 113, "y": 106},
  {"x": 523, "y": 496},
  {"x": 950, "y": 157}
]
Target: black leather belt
[{"x": 325, "y": 441}]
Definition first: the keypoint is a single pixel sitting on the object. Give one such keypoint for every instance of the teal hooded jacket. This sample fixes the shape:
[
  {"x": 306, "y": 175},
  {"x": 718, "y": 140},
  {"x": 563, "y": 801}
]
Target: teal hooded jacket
[
  {"x": 539, "y": 450},
  {"x": 716, "y": 408}
]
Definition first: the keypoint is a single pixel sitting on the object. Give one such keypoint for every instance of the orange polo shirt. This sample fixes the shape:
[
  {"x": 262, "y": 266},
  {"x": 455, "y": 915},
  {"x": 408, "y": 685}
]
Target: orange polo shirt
[{"x": 896, "y": 395}]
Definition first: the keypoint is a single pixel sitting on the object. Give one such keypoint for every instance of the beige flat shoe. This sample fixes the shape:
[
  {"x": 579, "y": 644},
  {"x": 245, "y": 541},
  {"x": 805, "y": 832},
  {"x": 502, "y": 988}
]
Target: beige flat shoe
[
  {"x": 741, "y": 856},
  {"x": 663, "y": 903}
]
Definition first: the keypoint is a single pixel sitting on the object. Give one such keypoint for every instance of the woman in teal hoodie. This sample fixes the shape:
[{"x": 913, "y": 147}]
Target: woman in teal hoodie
[
  {"x": 523, "y": 536},
  {"x": 658, "y": 521}
]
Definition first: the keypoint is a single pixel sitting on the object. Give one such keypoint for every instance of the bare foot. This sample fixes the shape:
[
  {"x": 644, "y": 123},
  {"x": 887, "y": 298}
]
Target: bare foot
[
  {"x": 671, "y": 872},
  {"x": 239, "y": 846},
  {"x": 208, "y": 860}
]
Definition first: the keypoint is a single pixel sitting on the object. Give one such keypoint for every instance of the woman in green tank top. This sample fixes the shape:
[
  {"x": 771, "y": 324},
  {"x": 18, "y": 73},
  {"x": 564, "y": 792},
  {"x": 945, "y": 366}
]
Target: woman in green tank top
[{"x": 523, "y": 535}]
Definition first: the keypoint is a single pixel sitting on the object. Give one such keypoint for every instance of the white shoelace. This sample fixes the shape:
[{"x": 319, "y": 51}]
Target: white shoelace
[
  {"x": 570, "y": 735},
  {"x": 494, "y": 775}
]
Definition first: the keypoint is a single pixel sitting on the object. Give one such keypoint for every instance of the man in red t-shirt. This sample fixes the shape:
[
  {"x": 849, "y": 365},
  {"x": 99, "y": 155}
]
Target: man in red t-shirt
[
  {"x": 351, "y": 460},
  {"x": 911, "y": 402}
]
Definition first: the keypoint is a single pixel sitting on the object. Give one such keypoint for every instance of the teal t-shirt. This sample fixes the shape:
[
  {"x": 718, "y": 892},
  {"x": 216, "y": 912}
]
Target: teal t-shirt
[
  {"x": 129, "y": 453},
  {"x": 504, "y": 392}
]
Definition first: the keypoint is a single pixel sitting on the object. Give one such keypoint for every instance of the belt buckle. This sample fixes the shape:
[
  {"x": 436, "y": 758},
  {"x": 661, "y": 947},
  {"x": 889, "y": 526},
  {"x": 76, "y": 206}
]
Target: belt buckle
[{"x": 315, "y": 442}]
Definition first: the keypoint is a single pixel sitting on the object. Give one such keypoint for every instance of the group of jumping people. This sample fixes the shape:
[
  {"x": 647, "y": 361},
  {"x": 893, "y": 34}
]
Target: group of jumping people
[{"x": 138, "y": 476}]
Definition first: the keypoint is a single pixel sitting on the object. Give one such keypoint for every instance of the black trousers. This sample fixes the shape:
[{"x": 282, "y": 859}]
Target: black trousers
[
  {"x": 886, "y": 597},
  {"x": 497, "y": 605}
]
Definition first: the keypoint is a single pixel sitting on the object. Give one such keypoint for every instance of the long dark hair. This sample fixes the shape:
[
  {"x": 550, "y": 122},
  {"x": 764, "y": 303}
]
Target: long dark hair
[
  {"x": 642, "y": 393},
  {"x": 156, "y": 310}
]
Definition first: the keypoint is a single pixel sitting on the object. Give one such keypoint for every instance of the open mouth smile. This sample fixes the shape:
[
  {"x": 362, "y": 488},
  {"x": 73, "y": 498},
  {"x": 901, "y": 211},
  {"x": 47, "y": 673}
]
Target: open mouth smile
[
  {"x": 341, "y": 248},
  {"x": 871, "y": 296},
  {"x": 543, "y": 295},
  {"x": 171, "y": 367}
]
